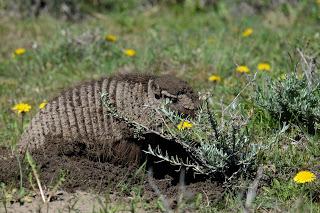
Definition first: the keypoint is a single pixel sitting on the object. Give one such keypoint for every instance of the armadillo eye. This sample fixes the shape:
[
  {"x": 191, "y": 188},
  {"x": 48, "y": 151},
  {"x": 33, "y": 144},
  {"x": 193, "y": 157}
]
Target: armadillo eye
[{"x": 174, "y": 100}]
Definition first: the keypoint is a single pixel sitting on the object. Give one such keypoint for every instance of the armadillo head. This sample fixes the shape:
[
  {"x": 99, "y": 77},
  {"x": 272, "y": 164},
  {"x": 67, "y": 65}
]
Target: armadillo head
[{"x": 182, "y": 97}]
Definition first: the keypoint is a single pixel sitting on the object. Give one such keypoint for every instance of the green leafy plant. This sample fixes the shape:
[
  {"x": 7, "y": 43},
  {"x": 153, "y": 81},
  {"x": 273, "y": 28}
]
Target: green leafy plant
[
  {"x": 292, "y": 100},
  {"x": 221, "y": 150}
]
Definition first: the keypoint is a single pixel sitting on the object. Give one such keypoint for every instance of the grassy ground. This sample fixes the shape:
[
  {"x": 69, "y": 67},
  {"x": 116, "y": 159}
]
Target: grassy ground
[{"x": 190, "y": 44}]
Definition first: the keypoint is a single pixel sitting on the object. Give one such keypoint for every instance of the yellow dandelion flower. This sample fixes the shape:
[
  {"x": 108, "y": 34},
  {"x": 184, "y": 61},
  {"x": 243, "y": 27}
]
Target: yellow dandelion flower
[
  {"x": 214, "y": 78},
  {"x": 43, "y": 105},
  {"x": 247, "y": 32},
  {"x": 20, "y": 51},
  {"x": 318, "y": 2},
  {"x": 111, "y": 38},
  {"x": 184, "y": 125},
  {"x": 243, "y": 69},
  {"x": 304, "y": 177},
  {"x": 130, "y": 52},
  {"x": 264, "y": 67},
  {"x": 21, "y": 108}
]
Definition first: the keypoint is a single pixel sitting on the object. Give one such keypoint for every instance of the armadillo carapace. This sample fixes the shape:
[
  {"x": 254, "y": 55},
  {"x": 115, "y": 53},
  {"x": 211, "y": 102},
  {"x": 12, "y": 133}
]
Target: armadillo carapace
[{"x": 79, "y": 114}]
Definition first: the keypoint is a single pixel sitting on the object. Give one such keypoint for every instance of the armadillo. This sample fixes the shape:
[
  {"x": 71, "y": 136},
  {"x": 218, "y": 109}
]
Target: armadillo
[{"x": 79, "y": 114}]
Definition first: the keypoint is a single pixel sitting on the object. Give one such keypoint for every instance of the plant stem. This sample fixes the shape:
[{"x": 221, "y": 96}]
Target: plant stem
[{"x": 22, "y": 120}]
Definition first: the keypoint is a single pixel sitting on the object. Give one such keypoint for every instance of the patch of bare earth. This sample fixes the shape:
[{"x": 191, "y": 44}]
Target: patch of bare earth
[
  {"x": 78, "y": 201},
  {"x": 88, "y": 178}
]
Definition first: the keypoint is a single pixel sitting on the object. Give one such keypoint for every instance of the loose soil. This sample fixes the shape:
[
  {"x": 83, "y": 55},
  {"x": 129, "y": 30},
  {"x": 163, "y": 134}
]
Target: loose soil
[
  {"x": 86, "y": 174},
  {"x": 64, "y": 202}
]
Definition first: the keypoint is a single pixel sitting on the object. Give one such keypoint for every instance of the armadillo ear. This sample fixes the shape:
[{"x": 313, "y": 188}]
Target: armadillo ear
[{"x": 167, "y": 94}]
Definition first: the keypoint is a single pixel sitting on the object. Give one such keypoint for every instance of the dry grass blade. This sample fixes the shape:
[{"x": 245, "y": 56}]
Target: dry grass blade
[
  {"x": 36, "y": 176},
  {"x": 308, "y": 67}
]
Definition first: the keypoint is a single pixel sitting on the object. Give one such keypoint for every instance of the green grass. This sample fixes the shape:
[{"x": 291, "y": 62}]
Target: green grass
[{"x": 190, "y": 44}]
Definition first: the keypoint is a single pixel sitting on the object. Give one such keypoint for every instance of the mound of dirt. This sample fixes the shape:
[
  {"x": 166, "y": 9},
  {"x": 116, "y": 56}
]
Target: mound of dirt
[{"x": 82, "y": 172}]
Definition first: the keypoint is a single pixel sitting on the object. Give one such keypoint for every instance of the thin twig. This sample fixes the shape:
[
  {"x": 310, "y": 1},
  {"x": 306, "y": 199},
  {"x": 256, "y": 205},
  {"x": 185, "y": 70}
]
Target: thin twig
[
  {"x": 182, "y": 186},
  {"x": 252, "y": 190},
  {"x": 237, "y": 96},
  {"x": 207, "y": 198}
]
